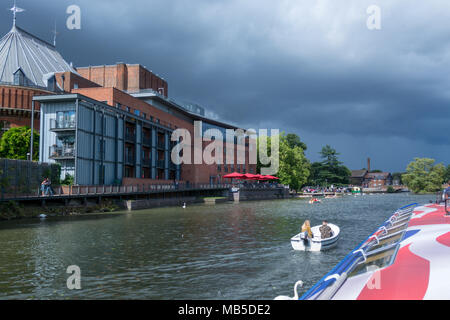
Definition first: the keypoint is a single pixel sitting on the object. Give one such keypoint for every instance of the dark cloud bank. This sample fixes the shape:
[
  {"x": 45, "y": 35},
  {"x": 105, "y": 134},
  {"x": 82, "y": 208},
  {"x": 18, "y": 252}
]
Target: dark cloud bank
[{"x": 309, "y": 67}]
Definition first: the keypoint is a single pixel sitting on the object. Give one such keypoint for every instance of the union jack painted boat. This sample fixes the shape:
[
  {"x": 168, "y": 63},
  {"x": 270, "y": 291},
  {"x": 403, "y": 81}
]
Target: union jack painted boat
[{"x": 406, "y": 258}]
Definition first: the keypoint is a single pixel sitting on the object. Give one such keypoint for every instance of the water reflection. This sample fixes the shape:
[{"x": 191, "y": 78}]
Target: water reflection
[{"x": 227, "y": 251}]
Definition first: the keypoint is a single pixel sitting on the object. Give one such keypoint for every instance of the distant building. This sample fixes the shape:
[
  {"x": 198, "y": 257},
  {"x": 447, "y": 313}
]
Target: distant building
[
  {"x": 357, "y": 177},
  {"x": 103, "y": 124},
  {"x": 377, "y": 180},
  {"x": 27, "y": 68},
  {"x": 367, "y": 179}
]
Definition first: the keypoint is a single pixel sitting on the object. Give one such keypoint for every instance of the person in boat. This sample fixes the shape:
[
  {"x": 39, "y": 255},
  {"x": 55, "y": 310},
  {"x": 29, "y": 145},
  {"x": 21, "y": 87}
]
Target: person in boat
[
  {"x": 306, "y": 231},
  {"x": 325, "y": 230}
]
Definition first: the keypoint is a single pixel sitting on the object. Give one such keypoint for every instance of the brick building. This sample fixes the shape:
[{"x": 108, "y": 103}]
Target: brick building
[
  {"x": 103, "y": 124},
  {"x": 370, "y": 179}
]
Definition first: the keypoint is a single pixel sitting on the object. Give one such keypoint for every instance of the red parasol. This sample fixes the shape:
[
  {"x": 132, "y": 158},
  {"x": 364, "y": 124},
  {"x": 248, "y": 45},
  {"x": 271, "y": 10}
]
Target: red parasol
[
  {"x": 268, "y": 177},
  {"x": 234, "y": 175}
]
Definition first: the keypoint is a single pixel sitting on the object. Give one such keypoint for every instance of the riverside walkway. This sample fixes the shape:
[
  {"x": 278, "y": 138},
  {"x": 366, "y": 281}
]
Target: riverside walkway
[
  {"x": 140, "y": 191},
  {"x": 73, "y": 192}
]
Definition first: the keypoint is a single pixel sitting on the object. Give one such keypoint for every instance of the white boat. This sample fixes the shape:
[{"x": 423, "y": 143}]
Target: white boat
[{"x": 316, "y": 243}]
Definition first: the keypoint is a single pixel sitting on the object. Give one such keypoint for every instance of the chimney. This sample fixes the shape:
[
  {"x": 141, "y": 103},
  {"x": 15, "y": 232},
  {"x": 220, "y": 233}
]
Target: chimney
[{"x": 368, "y": 164}]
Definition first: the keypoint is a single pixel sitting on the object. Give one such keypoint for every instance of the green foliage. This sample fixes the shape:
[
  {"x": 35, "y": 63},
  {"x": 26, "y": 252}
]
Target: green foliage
[
  {"x": 15, "y": 143},
  {"x": 330, "y": 170},
  {"x": 293, "y": 141},
  {"x": 68, "y": 180},
  {"x": 390, "y": 189},
  {"x": 294, "y": 167},
  {"x": 447, "y": 174},
  {"x": 397, "y": 176},
  {"x": 423, "y": 176}
]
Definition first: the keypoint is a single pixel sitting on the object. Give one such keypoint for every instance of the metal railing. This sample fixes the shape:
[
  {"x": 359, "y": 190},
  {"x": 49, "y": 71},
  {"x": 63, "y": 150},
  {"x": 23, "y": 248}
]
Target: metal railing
[
  {"x": 160, "y": 164},
  {"x": 112, "y": 190},
  {"x": 130, "y": 137},
  {"x": 61, "y": 152},
  {"x": 161, "y": 145},
  {"x": 62, "y": 125},
  {"x": 146, "y": 162},
  {"x": 130, "y": 159},
  {"x": 147, "y": 141},
  {"x": 331, "y": 282},
  {"x": 441, "y": 197}
]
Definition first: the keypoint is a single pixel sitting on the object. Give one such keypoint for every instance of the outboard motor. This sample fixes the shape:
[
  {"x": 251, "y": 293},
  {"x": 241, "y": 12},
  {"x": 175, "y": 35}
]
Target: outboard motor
[{"x": 304, "y": 237}]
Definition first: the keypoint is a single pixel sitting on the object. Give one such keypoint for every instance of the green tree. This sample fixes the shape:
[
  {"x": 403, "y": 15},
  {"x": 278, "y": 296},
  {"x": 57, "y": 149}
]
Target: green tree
[
  {"x": 447, "y": 174},
  {"x": 397, "y": 176},
  {"x": 422, "y": 175},
  {"x": 330, "y": 170},
  {"x": 293, "y": 140},
  {"x": 15, "y": 143},
  {"x": 293, "y": 165}
]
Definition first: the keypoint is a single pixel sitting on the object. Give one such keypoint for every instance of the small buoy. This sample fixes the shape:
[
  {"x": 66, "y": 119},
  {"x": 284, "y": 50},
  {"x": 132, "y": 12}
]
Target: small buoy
[
  {"x": 42, "y": 216},
  {"x": 184, "y": 205}
]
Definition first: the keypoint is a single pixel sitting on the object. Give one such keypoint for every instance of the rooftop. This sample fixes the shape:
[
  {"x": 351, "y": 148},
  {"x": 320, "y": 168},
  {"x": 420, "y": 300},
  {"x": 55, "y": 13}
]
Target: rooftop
[{"x": 36, "y": 58}]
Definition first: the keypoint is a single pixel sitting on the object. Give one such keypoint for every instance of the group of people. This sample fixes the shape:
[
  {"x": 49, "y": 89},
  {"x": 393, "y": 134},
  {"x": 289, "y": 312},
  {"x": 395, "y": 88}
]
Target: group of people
[
  {"x": 326, "y": 190},
  {"x": 46, "y": 187},
  {"x": 325, "y": 230}
]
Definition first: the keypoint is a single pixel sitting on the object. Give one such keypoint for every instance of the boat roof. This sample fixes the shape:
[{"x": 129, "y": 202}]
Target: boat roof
[{"x": 406, "y": 258}]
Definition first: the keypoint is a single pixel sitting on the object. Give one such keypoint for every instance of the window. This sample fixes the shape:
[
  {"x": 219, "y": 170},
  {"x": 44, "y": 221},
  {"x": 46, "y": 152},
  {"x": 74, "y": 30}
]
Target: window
[
  {"x": 65, "y": 119},
  {"x": 137, "y": 112},
  {"x": 75, "y": 85},
  {"x": 128, "y": 109},
  {"x": 118, "y": 105},
  {"x": 19, "y": 77}
]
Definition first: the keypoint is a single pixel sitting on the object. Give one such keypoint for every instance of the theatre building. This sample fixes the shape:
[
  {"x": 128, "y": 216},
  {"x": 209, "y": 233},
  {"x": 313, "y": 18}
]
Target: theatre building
[
  {"x": 104, "y": 136},
  {"x": 121, "y": 133},
  {"x": 27, "y": 68},
  {"x": 107, "y": 124}
]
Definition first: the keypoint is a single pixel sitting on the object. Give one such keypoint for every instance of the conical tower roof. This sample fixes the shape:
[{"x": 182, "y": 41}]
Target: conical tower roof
[{"x": 33, "y": 56}]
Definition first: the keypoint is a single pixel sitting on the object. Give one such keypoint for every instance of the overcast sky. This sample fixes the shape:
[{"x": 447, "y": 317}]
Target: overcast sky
[{"x": 310, "y": 67}]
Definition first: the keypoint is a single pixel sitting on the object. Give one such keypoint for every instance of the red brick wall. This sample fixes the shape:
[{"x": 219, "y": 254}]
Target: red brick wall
[
  {"x": 15, "y": 105},
  {"x": 199, "y": 173},
  {"x": 124, "y": 77},
  {"x": 70, "y": 79}
]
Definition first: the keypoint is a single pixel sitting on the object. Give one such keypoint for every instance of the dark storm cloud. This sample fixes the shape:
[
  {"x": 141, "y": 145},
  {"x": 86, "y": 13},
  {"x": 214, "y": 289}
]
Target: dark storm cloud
[{"x": 310, "y": 67}]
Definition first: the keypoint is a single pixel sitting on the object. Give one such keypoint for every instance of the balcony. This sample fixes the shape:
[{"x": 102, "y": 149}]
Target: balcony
[
  {"x": 147, "y": 141},
  {"x": 146, "y": 162},
  {"x": 160, "y": 164},
  {"x": 130, "y": 137},
  {"x": 66, "y": 125},
  {"x": 161, "y": 145},
  {"x": 130, "y": 159},
  {"x": 62, "y": 153}
]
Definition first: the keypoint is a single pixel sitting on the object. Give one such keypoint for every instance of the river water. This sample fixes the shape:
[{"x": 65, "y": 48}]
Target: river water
[{"x": 226, "y": 251}]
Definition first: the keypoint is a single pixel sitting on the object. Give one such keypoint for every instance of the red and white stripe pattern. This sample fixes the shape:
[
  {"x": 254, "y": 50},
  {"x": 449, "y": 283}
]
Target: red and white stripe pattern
[{"x": 421, "y": 269}]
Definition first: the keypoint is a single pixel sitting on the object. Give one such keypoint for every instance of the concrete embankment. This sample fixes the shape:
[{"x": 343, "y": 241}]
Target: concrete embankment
[
  {"x": 78, "y": 206},
  {"x": 259, "y": 194}
]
